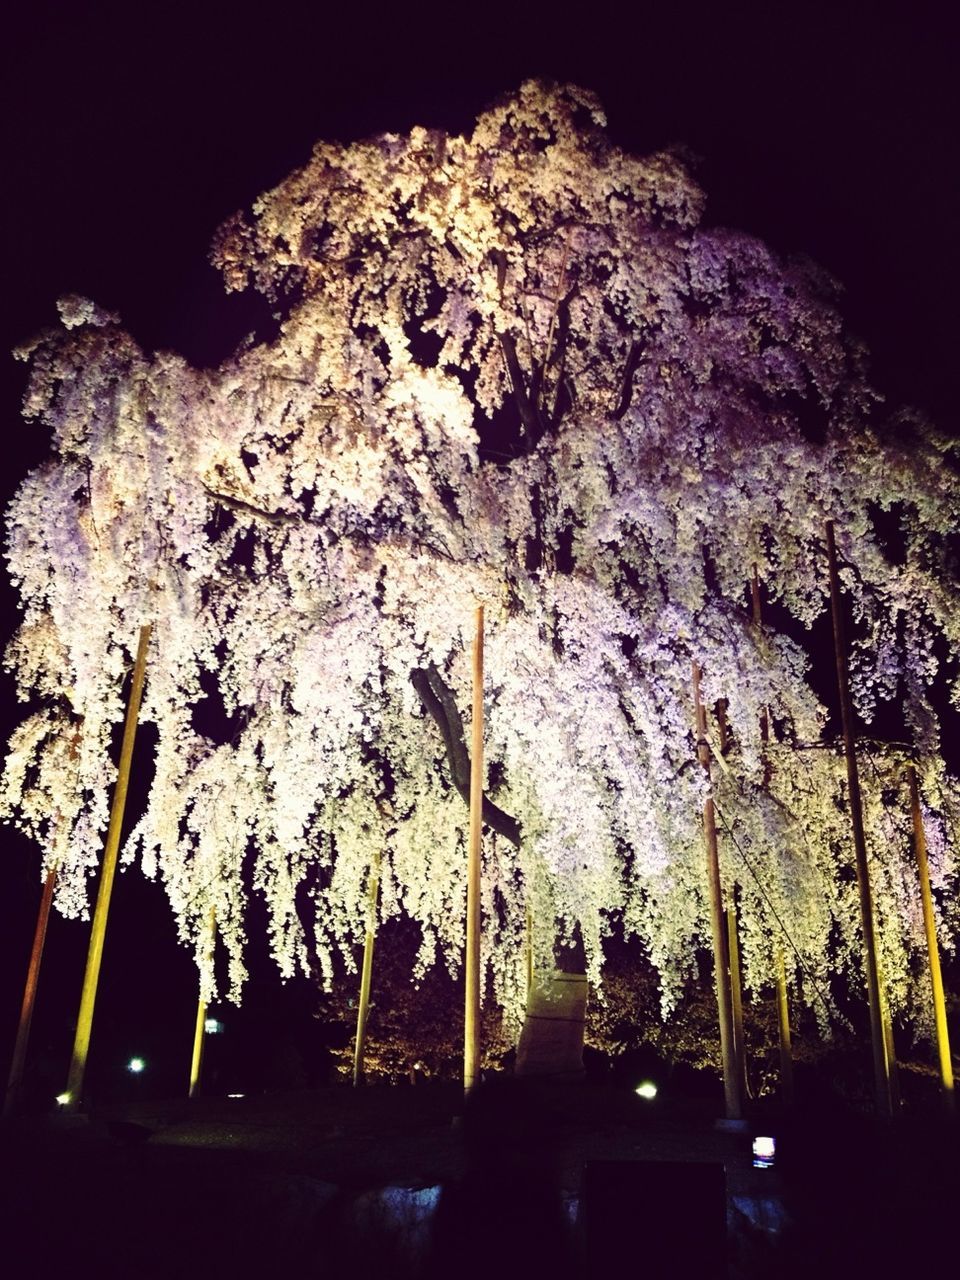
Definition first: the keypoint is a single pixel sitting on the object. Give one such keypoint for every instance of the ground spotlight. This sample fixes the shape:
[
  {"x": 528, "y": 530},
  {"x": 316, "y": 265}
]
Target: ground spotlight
[
  {"x": 764, "y": 1150},
  {"x": 646, "y": 1089}
]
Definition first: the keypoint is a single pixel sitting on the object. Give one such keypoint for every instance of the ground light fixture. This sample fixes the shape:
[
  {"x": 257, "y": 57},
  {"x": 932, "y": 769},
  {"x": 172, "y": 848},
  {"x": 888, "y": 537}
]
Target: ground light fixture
[
  {"x": 764, "y": 1151},
  {"x": 646, "y": 1089},
  {"x": 135, "y": 1066},
  {"x": 62, "y": 1099}
]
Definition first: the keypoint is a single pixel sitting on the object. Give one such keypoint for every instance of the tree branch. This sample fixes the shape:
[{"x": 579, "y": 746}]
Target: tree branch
[
  {"x": 259, "y": 513},
  {"x": 528, "y": 411},
  {"x": 626, "y": 385},
  {"x": 439, "y": 703}
]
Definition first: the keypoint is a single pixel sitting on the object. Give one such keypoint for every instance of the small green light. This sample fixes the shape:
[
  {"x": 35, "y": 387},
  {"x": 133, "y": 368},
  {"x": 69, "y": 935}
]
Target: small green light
[
  {"x": 647, "y": 1089},
  {"x": 136, "y": 1065}
]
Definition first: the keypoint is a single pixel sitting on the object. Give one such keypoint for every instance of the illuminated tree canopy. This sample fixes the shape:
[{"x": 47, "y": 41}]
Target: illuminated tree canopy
[{"x": 512, "y": 368}]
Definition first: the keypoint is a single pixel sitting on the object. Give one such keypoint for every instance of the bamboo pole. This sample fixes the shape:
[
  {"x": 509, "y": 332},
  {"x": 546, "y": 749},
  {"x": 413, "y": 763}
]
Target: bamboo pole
[
  {"x": 889, "y": 1044},
  {"x": 736, "y": 998},
  {"x": 783, "y": 1023},
  {"x": 528, "y": 951},
  {"x": 15, "y": 1079},
  {"x": 881, "y": 1062},
  {"x": 18, "y": 1062},
  {"x": 471, "y": 1027},
  {"x": 933, "y": 951},
  {"x": 81, "y": 1044},
  {"x": 721, "y": 958},
  {"x": 200, "y": 1027},
  {"x": 733, "y": 942},
  {"x": 780, "y": 975},
  {"x": 366, "y": 973},
  {"x": 196, "y": 1059}
]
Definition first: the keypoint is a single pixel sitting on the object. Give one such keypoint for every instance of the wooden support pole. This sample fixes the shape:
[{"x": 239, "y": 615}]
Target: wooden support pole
[
  {"x": 200, "y": 1027},
  {"x": 196, "y": 1060},
  {"x": 890, "y": 1046},
  {"x": 471, "y": 1026},
  {"x": 783, "y": 1023},
  {"x": 366, "y": 973},
  {"x": 81, "y": 1044},
  {"x": 528, "y": 951},
  {"x": 933, "y": 951},
  {"x": 721, "y": 958},
  {"x": 15, "y": 1079},
  {"x": 733, "y": 939},
  {"x": 780, "y": 976},
  {"x": 736, "y": 998},
  {"x": 881, "y": 1063},
  {"x": 19, "y": 1059},
  {"x": 758, "y": 621}
]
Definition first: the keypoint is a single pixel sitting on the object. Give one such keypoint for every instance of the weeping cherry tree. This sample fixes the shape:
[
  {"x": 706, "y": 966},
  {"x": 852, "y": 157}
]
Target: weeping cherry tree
[{"x": 515, "y": 368}]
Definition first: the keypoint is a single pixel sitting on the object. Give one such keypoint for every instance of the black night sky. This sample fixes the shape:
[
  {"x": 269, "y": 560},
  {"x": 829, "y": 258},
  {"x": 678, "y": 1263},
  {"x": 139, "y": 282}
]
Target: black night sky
[{"x": 130, "y": 131}]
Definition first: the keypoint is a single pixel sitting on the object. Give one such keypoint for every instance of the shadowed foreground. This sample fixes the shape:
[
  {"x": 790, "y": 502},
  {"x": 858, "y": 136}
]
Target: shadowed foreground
[{"x": 336, "y": 1179}]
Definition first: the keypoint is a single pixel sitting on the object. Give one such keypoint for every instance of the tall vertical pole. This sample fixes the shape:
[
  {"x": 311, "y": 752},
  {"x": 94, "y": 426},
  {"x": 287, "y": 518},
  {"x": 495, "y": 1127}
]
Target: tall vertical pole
[
  {"x": 81, "y": 1044},
  {"x": 733, "y": 941},
  {"x": 890, "y": 1047},
  {"x": 366, "y": 973},
  {"x": 200, "y": 1026},
  {"x": 881, "y": 1064},
  {"x": 15, "y": 1079},
  {"x": 783, "y": 1023},
  {"x": 721, "y": 958},
  {"x": 780, "y": 975},
  {"x": 196, "y": 1059},
  {"x": 471, "y": 1025},
  {"x": 528, "y": 950},
  {"x": 736, "y": 998},
  {"x": 933, "y": 951}
]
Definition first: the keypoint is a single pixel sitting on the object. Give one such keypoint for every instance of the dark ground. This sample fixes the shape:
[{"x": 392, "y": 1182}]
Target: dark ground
[{"x": 334, "y": 1182}]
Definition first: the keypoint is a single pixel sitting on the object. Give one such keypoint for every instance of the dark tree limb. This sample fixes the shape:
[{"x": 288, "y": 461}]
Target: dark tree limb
[
  {"x": 529, "y": 414},
  {"x": 626, "y": 384},
  {"x": 258, "y": 513},
  {"x": 439, "y": 703}
]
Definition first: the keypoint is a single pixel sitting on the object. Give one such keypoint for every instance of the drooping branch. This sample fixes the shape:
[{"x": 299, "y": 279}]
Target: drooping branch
[{"x": 440, "y": 704}]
